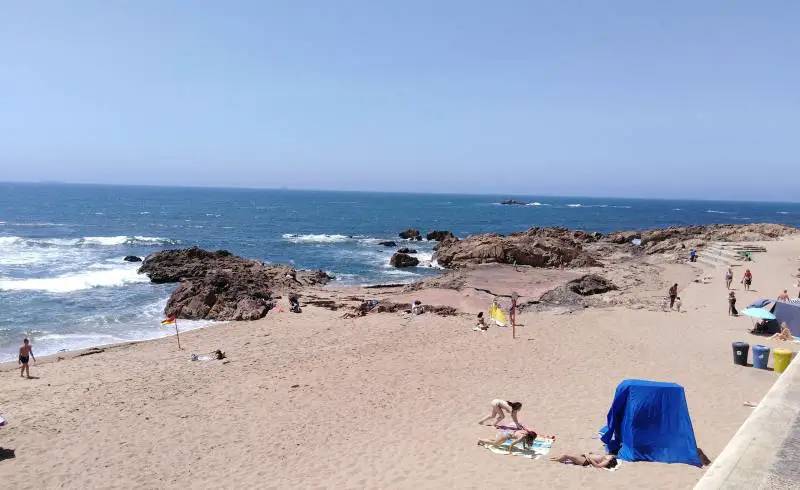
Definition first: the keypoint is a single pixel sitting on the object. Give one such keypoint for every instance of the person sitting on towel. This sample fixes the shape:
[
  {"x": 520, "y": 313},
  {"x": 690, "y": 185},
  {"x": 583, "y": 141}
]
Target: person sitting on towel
[
  {"x": 785, "y": 334},
  {"x": 525, "y": 436},
  {"x": 607, "y": 461}
]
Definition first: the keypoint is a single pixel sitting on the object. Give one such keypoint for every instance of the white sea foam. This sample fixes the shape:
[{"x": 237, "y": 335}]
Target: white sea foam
[
  {"x": 574, "y": 205},
  {"x": 537, "y": 203},
  {"x": 106, "y": 241},
  {"x": 320, "y": 238},
  {"x": 783, "y": 212},
  {"x": 399, "y": 272},
  {"x": 714, "y": 211},
  {"x": 67, "y": 283}
]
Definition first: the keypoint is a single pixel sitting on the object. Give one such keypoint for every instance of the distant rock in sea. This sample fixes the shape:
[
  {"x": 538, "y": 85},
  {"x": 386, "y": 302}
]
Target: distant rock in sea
[
  {"x": 411, "y": 234},
  {"x": 132, "y": 258},
  {"x": 438, "y": 236},
  {"x": 222, "y": 286},
  {"x": 406, "y": 250},
  {"x": 513, "y": 202},
  {"x": 388, "y": 244}
]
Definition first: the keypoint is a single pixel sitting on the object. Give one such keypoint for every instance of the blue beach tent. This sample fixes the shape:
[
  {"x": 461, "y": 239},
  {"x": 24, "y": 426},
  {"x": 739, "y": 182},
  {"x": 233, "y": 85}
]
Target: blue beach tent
[{"x": 649, "y": 421}]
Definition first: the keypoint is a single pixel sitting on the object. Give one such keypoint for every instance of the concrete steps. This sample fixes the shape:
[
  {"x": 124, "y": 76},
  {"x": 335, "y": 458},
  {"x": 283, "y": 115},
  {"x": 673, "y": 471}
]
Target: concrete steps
[{"x": 726, "y": 254}]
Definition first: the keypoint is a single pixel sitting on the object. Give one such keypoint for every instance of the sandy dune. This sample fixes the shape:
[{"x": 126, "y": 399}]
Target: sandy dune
[{"x": 383, "y": 401}]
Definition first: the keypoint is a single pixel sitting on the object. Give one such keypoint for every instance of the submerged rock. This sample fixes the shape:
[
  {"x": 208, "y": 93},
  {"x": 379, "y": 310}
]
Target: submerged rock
[
  {"x": 406, "y": 250},
  {"x": 222, "y": 286},
  {"x": 388, "y": 244},
  {"x": 513, "y": 202},
  {"x": 132, "y": 258},
  {"x": 403, "y": 260}
]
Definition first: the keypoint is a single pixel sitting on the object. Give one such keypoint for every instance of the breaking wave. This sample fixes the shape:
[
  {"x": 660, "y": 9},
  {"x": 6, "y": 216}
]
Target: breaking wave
[{"x": 68, "y": 283}]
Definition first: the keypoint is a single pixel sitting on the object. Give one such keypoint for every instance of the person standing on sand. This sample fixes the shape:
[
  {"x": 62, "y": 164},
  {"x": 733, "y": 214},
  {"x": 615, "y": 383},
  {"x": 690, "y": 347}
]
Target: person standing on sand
[
  {"x": 25, "y": 353},
  {"x": 673, "y": 295},
  {"x": 728, "y": 278},
  {"x": 747, "y": 280},
  {"x": 499, "y": 409},
  {"x": 732, "y": 304}
]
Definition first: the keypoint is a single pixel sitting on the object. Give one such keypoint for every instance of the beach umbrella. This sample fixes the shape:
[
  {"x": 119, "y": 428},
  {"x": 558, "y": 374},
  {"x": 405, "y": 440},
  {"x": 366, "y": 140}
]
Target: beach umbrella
[{"x": 759, "y": 313}]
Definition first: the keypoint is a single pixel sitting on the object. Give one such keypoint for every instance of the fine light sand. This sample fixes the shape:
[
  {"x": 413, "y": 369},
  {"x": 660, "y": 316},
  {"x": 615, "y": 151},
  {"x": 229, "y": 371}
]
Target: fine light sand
[{"x": 314, "y": 401}]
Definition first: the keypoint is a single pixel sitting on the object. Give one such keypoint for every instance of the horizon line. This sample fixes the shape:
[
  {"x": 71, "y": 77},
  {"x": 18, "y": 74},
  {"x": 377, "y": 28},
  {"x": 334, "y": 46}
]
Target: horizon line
[{"x": 400, "y": 192}]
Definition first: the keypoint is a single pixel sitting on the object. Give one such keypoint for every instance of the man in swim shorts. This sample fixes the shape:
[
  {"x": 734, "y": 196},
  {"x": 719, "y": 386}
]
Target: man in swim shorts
[{"x": 25, "y": 353}]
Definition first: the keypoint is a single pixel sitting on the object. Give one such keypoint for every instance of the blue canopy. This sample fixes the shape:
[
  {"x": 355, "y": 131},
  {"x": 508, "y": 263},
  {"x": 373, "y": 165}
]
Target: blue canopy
[
  {"x": 649, "y": 421},
  {"x": 760, "y": 303}
]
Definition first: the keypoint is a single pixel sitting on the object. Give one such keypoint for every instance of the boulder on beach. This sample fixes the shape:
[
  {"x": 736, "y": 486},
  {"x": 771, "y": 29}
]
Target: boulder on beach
[
  {"x": 400, "y": 260},
  {"x": 222, "y": 286},
  {"x": 388, "y": 244},
  {"x": 132, "y": 258},
  {"x": 410, "y": 234},
  {"x": 591, "y": 284},
  {"x": 438, "y": 236},
  {"x": 406, "y": 250}
]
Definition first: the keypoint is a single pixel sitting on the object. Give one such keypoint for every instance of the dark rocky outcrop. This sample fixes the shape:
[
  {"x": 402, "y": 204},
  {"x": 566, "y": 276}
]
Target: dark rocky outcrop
[
  {"x": 403, "y": 260},
  {"x": 513, "y": 202},
  {"x": 406, "y": 250},
  {"x": 438, "y": 236},
  {"x": 388, "y": 244},
  {"x": 410, "y": 234},
  {"x": 132, "y": 258},
  {"x": 222, "y": 286},
  {"x": 591, "y": 284}
]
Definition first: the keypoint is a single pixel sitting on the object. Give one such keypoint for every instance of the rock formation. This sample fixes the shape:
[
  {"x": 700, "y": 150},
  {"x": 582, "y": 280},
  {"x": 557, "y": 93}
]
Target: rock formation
[
  {"x": 560, "y": 247},
  {"x": 513, "y": 202},
  {"x": 438, "y": 236},
  {"x": 406, "y": 250},
  {"x": 538, "y": 247},
  {"x": 403, "y": 260},
  {"x": 388, "y": 244},
  {"x": 222, "y": 286},
  {"x": 132, "y": 258},
  {"x": 411, "y": 234}
]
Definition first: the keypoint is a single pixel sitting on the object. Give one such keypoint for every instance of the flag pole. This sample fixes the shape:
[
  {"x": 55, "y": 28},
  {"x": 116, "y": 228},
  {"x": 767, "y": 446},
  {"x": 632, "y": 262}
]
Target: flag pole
[{"x": 177, "y": 334}]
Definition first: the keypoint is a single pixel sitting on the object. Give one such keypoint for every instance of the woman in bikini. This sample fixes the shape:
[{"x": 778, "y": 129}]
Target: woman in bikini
[
  {"x": 607, "y": 461},
  {"x": 525, "y": 436},
  {"x": 499, "y": 409}
]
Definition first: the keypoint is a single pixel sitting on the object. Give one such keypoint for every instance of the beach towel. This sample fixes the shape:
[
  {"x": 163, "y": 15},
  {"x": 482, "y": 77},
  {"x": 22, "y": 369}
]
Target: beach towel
[{"x": 541, "y": 447}]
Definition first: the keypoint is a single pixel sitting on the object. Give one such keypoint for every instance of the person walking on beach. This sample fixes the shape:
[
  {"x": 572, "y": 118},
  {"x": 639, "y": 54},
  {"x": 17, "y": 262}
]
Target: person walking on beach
[
  {"x": 732, "y": 304},
  {"x": 728, "y": 278},
  {"x": 25, "y": 354},
  {"x": 673, "y": 295},
  {"x": 747, "y": 280},
  {"x": 499, "y": 409}
]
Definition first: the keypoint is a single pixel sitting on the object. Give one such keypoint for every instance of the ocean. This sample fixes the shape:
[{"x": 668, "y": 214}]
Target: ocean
[{"x": 63, "y": 282}]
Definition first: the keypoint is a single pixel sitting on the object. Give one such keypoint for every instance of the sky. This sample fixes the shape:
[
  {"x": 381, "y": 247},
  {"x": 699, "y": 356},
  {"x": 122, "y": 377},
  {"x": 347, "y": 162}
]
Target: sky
[{"x": 628, "y": 98}]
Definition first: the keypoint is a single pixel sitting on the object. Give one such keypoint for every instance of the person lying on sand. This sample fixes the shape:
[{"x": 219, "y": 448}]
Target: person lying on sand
[
  {"x": 597, "y": 460},
  {"x": 525, "y": 436},
  {"x": 499, "y": 409},
  {"x": 785, "y": 334}
]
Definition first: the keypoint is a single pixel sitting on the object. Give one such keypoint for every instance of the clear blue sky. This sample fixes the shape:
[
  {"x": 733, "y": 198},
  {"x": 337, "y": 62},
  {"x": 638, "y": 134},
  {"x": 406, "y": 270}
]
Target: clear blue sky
[{"x": 684, "y": 98}]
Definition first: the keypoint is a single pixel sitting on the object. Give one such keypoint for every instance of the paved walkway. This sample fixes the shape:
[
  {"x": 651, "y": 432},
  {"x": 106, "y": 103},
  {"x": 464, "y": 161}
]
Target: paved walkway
[{"x": 765, "y": 452}]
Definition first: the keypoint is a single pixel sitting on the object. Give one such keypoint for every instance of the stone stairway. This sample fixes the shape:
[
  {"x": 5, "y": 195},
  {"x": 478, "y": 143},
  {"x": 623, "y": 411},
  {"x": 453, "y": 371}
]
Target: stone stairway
[{"x": 726, "y": 254}]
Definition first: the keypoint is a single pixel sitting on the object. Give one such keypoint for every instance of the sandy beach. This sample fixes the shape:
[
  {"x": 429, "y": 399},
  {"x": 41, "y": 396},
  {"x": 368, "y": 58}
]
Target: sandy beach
[{"x": 384, "y": 401}]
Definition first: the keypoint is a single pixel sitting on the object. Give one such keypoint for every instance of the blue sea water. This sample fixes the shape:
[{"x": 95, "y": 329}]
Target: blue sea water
[{"x": 63, "y": 282}]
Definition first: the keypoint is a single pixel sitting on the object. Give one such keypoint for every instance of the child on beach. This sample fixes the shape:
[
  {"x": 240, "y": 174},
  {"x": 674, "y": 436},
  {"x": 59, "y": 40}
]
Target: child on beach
[
  {"x": 25, "y": 353},
  {"x": 678, "y": 304},
  {"x": 481, "y": 325},
  {"x": 728, "y": 278}
]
